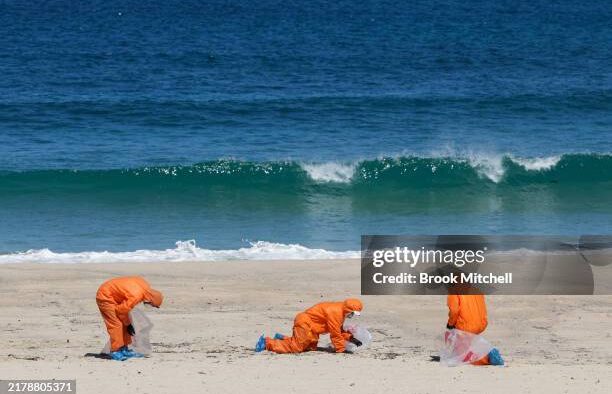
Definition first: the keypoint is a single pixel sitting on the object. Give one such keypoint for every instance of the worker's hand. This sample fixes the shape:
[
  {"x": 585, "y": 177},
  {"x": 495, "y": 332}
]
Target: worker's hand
[
  {"x": 130, "y": 330},
  {"x": 356, "y": 341},
  {"x": 449, "y": 327}
]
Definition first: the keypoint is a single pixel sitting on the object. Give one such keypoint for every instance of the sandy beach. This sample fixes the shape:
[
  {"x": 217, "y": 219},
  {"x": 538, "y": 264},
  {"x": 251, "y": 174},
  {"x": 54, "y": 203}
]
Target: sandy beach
[{"x": 214, "y": 312}]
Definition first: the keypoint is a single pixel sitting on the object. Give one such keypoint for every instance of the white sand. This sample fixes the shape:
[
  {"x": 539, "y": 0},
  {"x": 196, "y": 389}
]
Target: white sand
[{"x": 214, "y": 312}]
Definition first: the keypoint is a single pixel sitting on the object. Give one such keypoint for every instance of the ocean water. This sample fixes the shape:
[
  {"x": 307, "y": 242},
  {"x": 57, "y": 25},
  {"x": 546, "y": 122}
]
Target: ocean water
[{"x": 182, "y": 130}]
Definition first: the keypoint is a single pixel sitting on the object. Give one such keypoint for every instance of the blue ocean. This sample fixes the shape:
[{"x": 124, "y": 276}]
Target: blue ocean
[{"x": 178, "y": 130}]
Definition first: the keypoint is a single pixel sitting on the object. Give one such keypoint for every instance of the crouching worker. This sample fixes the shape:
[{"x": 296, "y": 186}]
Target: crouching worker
[
  {"x": 116, "y": 298},
  {"x": 323, "y": 318},
  {"x": 469, "y": 313}
]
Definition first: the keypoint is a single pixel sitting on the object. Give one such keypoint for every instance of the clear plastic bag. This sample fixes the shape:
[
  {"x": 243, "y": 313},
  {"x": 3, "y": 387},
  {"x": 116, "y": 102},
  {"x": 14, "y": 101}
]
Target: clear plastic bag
[
  {"x": 360, "y": 333},
  {"x": 461, "y": 347},
  {"x": 141, "y": 341}
]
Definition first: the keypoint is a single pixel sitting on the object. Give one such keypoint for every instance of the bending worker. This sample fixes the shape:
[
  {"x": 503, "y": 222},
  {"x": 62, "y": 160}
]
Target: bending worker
[
  {"x": 469, "y": 313},
  {"x": 116, "y": 298},
  {"x": 323, "y": 318}
]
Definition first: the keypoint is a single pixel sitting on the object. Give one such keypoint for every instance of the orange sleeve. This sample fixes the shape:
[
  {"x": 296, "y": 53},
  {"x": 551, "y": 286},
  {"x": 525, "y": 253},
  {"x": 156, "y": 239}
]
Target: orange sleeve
[
  {"x": 334, "y": 325},
  {"x": 347, "y": 335},
  {"x": 125, "y": 307},
  {"x": 453, "y": 309}
]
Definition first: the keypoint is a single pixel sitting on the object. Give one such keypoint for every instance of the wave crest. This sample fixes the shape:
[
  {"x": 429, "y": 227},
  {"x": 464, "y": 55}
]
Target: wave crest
[
  {"x": 330, "y": 172},
  {"x": 399, "y": 173},
  {"x": 537, "y": 163}
]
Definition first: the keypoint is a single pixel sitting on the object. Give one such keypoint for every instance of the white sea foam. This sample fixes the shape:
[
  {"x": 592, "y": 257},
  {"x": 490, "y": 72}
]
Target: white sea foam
[
  {"x": 491, "y": 166},
  {"x": 184, "y": 251},
  {"x": 488, "y": 166},
  {"x": 330, "y": 172},
  {"x": 537, "y": 163}
]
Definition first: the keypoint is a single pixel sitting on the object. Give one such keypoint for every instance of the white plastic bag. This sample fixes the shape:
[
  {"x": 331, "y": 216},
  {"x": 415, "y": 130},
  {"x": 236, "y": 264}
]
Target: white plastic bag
[
  {"x": 461, "y": 347},
  {"x": 360, "y": 333},
  {"x": 141, "y": 341}
]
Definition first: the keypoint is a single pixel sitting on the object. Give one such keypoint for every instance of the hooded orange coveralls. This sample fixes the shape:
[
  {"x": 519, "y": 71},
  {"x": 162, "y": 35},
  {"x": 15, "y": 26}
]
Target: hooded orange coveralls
[
  {"x": 116, "y": 298},
  {"x": 323, "y": 318},
  {"x": 468, "y": 313}
]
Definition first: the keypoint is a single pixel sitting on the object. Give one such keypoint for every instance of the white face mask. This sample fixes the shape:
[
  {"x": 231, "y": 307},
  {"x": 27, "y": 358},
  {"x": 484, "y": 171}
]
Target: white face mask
[{"x": 353, "y": 314}]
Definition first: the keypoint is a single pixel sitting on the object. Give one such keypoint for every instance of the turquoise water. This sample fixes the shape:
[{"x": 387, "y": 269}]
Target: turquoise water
[{"x": 133, "y": 126}]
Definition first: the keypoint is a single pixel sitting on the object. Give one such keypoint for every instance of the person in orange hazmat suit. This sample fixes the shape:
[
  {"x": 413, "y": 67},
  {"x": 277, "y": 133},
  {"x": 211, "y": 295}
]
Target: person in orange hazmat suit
[
  {"x": 322, "y": 318},
  {"x": 116, "y": 298},
  {"x": 469, "y": 313}
]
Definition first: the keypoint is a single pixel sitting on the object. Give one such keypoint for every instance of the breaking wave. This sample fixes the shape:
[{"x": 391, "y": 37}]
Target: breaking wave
[
  {"x": 406, "y": 172},
  {"x": 184, "y": 251}
]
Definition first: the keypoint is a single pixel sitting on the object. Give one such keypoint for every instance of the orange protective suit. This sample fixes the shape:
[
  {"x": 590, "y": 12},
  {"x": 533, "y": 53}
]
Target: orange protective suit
[
  {"x": 323, "y": 318},
  {"x": 468, "y": 313},
  {"x": 116, "y": 298}
]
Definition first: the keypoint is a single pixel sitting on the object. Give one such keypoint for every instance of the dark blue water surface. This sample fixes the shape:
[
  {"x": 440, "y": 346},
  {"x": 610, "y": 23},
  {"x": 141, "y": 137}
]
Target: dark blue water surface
[{"x": 98, "y": 87}]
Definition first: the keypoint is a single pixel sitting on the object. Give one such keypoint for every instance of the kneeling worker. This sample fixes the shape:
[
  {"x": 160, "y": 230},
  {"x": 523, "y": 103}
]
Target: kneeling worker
[
  {"x": 116, "y": 298},
  {"x": 323, "y": 318}
]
